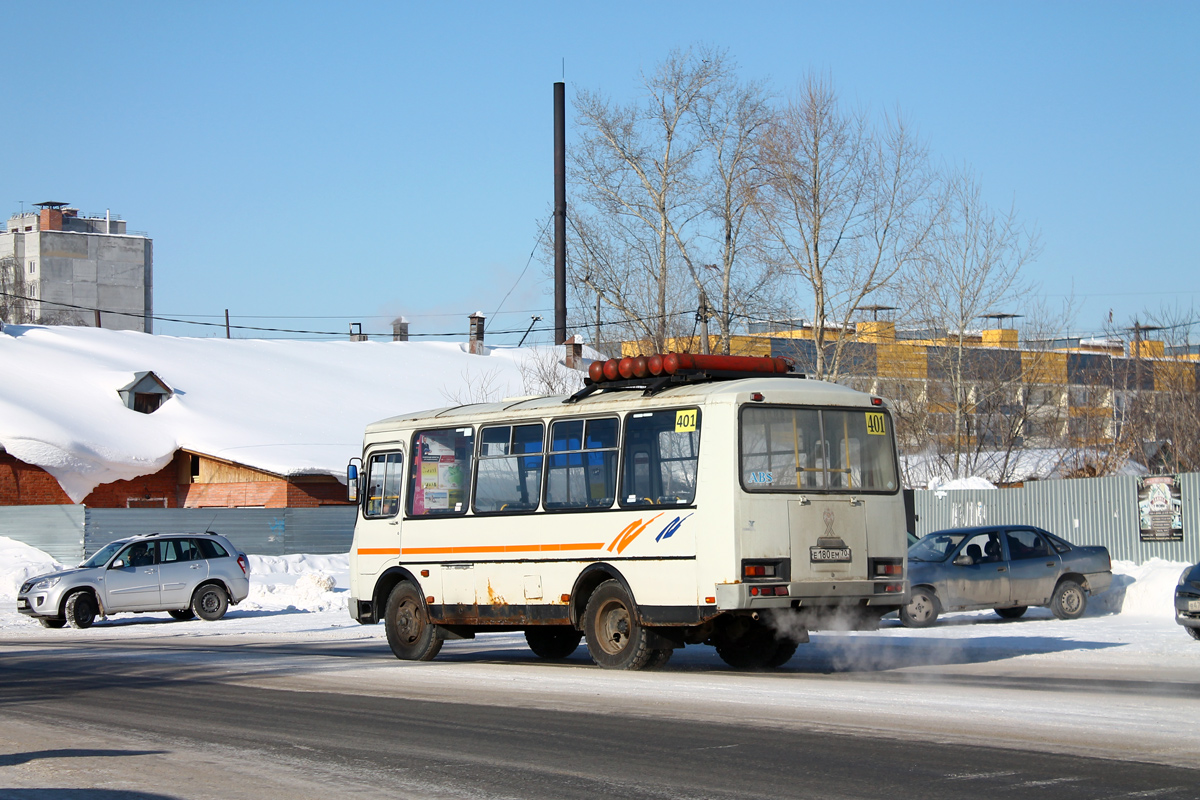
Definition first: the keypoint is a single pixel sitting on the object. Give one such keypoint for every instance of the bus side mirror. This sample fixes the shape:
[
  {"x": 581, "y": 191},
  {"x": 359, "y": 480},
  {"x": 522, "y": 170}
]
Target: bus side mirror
[{"x": 352, "y": 481}]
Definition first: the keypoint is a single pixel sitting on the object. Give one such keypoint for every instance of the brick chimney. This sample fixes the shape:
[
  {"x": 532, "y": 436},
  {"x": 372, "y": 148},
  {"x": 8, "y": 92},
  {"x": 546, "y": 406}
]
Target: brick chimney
[
  {"x": 475, "y": 334},
  {"x": 399, "y": 329},
  {"x": 574, "y": 346},
  {"x": 51, "y": 219}
]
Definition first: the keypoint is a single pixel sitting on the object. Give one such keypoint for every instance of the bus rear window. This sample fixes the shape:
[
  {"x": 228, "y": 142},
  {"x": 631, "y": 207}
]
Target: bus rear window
[
  {"x": 808, "y": 449},
  {"x": 441, "y": 472}
]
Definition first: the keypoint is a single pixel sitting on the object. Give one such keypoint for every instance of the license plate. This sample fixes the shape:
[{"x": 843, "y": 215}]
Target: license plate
[
  {"x": 1193, "y": 605},
  {"x": 829, "y": 553},
  {"x": 22, "y": 603}
]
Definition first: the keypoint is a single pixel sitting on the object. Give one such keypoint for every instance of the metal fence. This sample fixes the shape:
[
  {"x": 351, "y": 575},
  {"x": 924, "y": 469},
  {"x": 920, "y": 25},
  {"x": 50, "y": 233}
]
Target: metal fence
[
  {"x": 57, "y": 530},
  {"x": 71, "y": 533},
  {"x": 1085, "y": 511}
]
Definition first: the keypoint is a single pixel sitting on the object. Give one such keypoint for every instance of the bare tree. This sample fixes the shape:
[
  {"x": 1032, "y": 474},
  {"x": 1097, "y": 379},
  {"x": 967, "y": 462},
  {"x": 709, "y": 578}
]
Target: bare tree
[
  {"x": 543, "y": 372},
  {"x": 13, "y": 305},
  {"x": 969, "y": 266},
  {"x": 845, "y": 207}
]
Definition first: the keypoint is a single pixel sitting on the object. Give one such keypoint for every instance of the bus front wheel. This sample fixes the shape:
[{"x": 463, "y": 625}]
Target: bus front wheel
[
  {"x": 615, "y": 637},
  {"x": 409, "y": 632}
]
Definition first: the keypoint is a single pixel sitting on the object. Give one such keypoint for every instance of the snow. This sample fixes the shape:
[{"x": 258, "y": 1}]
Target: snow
[
  {"x": 973, "y": 482},
  {"x": 932, "y": 471},
  {"x": 286, "y": 407}
]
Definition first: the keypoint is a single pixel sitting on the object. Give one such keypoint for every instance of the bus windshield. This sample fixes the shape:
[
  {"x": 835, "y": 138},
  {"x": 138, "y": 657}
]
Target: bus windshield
[{"x": 810, "y": 449}]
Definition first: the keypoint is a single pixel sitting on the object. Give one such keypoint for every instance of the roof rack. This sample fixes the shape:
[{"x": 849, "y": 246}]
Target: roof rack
[{"x": 655, "y": 373}]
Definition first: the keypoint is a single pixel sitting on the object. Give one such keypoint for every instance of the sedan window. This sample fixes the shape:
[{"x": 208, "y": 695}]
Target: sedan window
[
  {"x": 935, "y": 547},
  {"x": 1025, "y": 543},
  {"x": 983, "y": 548}
]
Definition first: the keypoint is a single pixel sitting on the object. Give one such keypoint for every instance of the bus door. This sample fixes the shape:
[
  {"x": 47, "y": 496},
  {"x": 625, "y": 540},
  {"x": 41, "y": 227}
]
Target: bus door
[{"x": 380, "y": 546}]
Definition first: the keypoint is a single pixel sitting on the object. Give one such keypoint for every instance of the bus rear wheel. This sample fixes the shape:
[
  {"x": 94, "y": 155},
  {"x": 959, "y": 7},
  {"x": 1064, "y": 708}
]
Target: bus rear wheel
[
  {"x": 615, "y": 637},
  {"x": 751, "y": 645},
  {"x": 410, "y": 634},
  {"x": 553, "y": 641}
]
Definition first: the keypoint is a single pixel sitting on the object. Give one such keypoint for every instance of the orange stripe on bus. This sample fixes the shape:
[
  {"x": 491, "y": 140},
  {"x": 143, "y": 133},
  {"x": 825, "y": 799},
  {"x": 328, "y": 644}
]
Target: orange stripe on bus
[
  {"x": 502, "y": 548},
  {"x": 379, "y": 551}
]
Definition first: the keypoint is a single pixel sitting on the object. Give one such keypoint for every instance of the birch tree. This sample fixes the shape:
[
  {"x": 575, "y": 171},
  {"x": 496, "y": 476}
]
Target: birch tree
[{"x": 846, "y": 208}]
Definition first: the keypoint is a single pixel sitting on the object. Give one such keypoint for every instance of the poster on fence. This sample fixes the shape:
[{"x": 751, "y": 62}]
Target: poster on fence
[{"x": 1160, "y": 508}]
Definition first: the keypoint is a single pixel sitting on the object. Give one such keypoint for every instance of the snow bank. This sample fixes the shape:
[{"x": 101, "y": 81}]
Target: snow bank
[
  {"x": 18, "y": 563},
  {"x": 1147, "y": 590},
  {"x": 974, "y": 482},
  {"x": 287, "y": 407}
]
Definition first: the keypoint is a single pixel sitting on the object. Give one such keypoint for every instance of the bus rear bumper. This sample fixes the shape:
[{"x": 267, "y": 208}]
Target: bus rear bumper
[{"x": 810, "y": 594}]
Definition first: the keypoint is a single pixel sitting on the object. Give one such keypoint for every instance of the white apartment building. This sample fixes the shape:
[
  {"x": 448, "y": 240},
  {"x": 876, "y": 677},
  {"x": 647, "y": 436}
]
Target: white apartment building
[{"x": 59, "y": 267}]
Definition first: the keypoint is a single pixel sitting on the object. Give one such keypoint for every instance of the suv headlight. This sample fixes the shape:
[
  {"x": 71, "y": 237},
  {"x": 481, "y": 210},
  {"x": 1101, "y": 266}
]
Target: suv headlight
[{"x": 46, "y": 583}]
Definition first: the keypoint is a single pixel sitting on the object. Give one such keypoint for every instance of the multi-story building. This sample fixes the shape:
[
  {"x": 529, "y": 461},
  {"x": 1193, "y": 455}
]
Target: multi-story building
[{"x": 57, "y": 266}]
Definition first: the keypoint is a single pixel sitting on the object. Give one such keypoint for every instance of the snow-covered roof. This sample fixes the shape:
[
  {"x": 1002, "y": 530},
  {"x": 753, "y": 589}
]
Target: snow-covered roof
[{"x": 286, "y": 407}]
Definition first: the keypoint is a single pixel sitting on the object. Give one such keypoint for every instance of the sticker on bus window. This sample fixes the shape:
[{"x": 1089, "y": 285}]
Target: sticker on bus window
[
  {"x": 685, "y": 421},
  {"x": 875, "y": 424}
]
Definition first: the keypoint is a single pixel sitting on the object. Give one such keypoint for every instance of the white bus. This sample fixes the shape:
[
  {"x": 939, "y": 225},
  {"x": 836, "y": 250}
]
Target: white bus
[{"x": 713, "y": 499}]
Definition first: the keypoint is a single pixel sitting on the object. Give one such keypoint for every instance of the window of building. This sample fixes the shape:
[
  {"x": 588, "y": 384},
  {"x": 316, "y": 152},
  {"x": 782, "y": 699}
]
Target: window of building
[
  {"x": 384, "y": 475},
  {"x": 146, "y": 402},
  {"x": 662, "y": 450},
  {"x": 582, "y": 471},
  {"x": 509, "y": 473},
  {"x": 440, "y": 472}
]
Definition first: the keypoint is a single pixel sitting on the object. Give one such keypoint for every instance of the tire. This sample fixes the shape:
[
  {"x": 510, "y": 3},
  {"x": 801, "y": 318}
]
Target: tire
[
  {"x": 553, "y": 641},
  {"x": 1193, "y": 632},
  {"x": 410, "y": 634},
  {"x": 921, "y": 610},
  {"x": 1016, "y": 612},
  {"x": 750, "y": 647},
  {"x": 209, "y": 602},
  {"x": 615, "y": 638},
  {"x": 182, "y": 614},
  {"x": 1069, "y": 601},
  {"x": 659, "y": 659},
  {"x": 783, "y": 653},
  {"x": 50, "y": 622},
  {"x": 81, "y": 610}
]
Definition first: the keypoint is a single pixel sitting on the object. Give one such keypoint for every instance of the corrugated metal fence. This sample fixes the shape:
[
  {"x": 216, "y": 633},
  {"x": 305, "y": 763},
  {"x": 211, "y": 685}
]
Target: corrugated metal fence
[
  {"x": 71, "y": 533},
  {"x": 1085, "y": 511}
]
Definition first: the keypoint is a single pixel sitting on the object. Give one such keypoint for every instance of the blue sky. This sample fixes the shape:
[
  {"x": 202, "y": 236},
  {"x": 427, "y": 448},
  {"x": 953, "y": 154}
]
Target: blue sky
[{"x": 310, "y": 164}]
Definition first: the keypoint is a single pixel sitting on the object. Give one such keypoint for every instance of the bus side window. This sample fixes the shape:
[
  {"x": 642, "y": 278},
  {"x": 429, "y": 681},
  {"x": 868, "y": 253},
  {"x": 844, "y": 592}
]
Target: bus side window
[
  {"x": 662, "y": 450},
  {"x": 509, "y": 475},
  {"x": 384, "y": 472},
  {"x": 439, "y": 477},
  {"x": 582, "y": 469}
]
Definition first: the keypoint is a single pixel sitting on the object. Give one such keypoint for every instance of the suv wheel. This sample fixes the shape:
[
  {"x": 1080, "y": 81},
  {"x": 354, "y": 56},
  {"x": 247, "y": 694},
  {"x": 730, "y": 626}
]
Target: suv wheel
[
  {"x": 209, "y": 602},
  {"x": 81, "y": 610}
]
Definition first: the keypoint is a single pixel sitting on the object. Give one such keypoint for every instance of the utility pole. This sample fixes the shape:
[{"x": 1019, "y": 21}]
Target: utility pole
[
  {"x": 560, "y": 213},
  {"x": 227, "y": 323}
]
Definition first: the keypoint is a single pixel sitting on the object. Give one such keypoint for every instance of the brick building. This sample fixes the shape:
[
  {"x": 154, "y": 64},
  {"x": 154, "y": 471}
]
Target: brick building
[{"x": 191, "y": 480}]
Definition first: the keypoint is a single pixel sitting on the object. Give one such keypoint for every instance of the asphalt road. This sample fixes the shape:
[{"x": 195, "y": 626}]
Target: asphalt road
[{"x": 169, "y": 719}]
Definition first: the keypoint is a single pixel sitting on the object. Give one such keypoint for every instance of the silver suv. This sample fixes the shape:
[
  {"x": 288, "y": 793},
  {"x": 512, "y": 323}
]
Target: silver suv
[{"x": 185, "y": 574}]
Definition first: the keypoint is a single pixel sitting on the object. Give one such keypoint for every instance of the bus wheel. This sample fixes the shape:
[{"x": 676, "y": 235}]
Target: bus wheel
[
  {"x": 409, "y": 632},
  {"x": 553, "y": 641},
  {"x": 752, "y": 647},
  {"x": 615, "y": 638}
]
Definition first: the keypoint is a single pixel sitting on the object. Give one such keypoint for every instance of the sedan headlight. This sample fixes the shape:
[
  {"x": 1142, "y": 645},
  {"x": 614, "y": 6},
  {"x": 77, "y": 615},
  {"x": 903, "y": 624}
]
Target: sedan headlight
[
  {"x": 46, "y": 583},
  {"x": 1183, "y": 576}
]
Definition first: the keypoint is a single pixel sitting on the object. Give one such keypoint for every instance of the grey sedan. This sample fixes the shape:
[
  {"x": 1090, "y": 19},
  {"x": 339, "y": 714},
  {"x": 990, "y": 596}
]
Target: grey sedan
[
  {"x": 1005, "y": 567},
  {"x": 1187, "y": 601}
]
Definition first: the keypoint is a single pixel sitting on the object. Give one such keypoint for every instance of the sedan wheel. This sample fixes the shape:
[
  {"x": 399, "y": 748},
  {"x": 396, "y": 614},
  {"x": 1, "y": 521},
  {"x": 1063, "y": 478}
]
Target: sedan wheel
[
  {"x": 922, "y": 609},
  {"x": 1194, "y": 633},
  {"x": 1069, "y": 601}
]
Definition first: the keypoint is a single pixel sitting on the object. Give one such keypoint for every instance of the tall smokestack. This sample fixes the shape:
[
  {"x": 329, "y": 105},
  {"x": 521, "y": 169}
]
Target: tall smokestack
[{"x": 560, "y": 214}]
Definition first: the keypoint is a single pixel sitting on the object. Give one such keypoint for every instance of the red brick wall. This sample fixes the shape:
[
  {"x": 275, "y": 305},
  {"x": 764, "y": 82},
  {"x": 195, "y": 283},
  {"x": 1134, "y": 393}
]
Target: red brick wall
[
  {"x": 23, "y": 484},
  {"x": 161, "y": 484}
]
